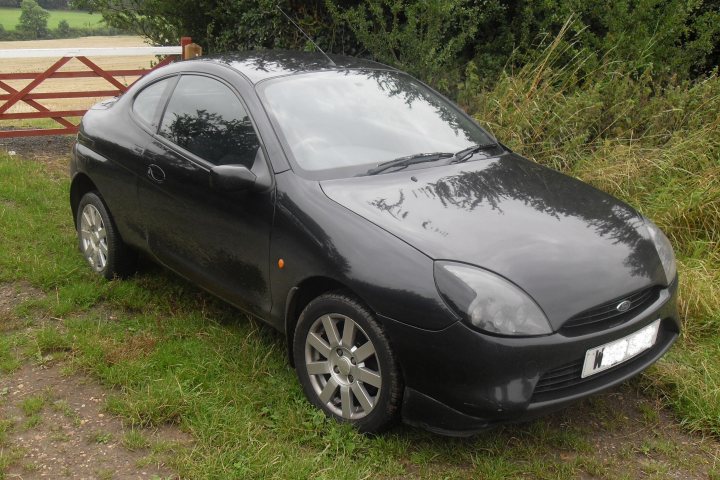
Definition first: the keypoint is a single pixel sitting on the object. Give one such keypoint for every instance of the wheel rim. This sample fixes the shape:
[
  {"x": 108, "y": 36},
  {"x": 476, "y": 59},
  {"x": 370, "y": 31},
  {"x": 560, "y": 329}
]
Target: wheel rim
[
  {"x": 93, "y": 237},
  {"x": 343, "y": 366}
]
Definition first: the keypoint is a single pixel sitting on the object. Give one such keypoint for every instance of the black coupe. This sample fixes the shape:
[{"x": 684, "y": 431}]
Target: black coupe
[{"x": 419, "y": 268}]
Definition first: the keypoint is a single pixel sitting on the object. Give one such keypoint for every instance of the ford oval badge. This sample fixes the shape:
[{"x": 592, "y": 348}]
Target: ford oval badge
[{"x": 624, "y": 306}]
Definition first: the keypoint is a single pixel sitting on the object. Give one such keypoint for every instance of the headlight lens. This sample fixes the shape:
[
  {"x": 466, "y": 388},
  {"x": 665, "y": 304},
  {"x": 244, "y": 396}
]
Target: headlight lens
[
  {"x": 664, "y": 249},
  {"x": 488, "y": 301}
]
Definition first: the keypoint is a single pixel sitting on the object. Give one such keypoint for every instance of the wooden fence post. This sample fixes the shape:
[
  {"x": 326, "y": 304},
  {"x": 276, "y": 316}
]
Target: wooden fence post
[{"x": 190, "y": 50}]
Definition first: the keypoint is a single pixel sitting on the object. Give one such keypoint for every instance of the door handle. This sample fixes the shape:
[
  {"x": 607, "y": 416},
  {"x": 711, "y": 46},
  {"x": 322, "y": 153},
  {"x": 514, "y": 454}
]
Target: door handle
[{"x": 156, "y": 173}]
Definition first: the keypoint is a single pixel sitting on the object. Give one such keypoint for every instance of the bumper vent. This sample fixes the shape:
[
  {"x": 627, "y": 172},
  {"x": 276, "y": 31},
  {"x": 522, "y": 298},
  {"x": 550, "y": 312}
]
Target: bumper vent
[
  {"x": 560, "y": 378},
  {"x": 607, "y": 315}
]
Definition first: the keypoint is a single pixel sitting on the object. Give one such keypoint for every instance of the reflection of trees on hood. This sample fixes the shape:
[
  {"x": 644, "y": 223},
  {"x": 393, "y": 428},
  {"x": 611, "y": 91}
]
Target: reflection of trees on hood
[
  {"x": 556, "y": 195},
  {"x": 213, "y": 138}
]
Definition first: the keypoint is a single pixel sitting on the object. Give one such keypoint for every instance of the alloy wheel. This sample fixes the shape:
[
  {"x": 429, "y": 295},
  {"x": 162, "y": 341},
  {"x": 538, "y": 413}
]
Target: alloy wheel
[
  {"x": 342, "y": 365},
  {"x": 93, "y": 237}
]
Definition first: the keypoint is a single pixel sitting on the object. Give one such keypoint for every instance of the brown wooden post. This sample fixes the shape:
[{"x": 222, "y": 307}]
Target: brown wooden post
[{"x": 190, "y": 50}]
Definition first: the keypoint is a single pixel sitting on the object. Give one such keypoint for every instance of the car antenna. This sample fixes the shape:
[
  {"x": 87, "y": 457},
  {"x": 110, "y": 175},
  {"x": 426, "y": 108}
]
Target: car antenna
[{"x": 306, "y": 36}]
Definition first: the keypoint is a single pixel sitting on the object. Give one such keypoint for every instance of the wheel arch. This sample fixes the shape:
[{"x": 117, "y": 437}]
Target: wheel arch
[
  {"x": 80, "y": 185},
  {"x": 301, "y": 295}
]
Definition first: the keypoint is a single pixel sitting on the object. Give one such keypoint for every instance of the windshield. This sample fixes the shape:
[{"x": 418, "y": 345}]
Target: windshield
[{"x": 340, "y": 123}]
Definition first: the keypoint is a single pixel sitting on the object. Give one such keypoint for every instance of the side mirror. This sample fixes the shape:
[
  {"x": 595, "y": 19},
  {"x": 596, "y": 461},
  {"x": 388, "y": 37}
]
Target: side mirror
[{"x": 232, "y": 178}]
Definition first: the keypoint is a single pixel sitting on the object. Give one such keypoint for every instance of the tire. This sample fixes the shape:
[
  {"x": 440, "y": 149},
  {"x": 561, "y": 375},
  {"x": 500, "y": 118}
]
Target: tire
[
  {"x": 99, "y": 240},
  {"x": 351, "y": 375}
]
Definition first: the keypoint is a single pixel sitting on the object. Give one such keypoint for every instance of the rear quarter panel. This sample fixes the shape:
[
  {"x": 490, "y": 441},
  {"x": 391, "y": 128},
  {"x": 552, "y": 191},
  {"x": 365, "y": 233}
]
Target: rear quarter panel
[{"x": 109, "y": 151}]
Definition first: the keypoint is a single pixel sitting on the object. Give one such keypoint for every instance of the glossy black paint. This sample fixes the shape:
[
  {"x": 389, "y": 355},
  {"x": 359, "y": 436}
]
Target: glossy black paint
[
  {"x": 566, "y": 244},
  {"x": 537, "y": 227}
]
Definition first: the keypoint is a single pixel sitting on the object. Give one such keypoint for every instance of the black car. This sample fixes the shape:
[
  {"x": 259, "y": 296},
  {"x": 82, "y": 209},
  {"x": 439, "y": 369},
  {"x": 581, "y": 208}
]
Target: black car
[{"x": 418, "y": 267}]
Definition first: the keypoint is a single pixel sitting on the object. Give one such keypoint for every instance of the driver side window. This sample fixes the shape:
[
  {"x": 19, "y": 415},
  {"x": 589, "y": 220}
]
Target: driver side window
[{"x": 206, "y": 118}]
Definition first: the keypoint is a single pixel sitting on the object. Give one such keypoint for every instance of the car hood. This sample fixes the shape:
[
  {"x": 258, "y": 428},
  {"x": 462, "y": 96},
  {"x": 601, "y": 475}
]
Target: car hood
[{"x": 568, "y": 245}]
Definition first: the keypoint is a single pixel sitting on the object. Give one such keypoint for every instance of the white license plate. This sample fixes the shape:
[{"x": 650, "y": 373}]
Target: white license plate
[{"x": 605, "y": 356}]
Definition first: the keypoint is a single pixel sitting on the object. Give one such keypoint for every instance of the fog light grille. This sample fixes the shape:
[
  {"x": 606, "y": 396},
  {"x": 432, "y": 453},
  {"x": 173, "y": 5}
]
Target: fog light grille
[{"x": 562, "y": 377}]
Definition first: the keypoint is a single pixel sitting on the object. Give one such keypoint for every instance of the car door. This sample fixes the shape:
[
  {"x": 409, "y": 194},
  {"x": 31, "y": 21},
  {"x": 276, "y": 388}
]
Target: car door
[{"x": 217, "y": 239}]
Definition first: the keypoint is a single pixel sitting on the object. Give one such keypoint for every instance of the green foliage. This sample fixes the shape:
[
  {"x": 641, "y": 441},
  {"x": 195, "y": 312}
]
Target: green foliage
[
  {"x": 425, "y": 38},
  {"x": 435, "y": 39},
  {"x": 63, "y": 28},
  {"x": 33, "y": 19},
  {"x": 225, "y": 25}
]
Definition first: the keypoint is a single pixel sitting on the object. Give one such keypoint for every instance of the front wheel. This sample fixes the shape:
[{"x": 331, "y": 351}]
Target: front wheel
[
  {"x": 99, "y": 240},
  {"x": 345, "y": 363}
]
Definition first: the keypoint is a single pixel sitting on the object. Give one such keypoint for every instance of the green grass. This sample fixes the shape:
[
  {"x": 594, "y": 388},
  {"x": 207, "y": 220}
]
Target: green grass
[
  {"x": 10, "y": 17},
  {"x": 134, "y": 440},
  {"x": 43, "y": 123},
  {"x": 32, "y": 405}
]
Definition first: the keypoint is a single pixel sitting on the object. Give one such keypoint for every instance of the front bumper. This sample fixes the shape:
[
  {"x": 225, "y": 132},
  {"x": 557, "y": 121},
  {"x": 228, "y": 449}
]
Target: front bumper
[{"x": 460, "y": 381}]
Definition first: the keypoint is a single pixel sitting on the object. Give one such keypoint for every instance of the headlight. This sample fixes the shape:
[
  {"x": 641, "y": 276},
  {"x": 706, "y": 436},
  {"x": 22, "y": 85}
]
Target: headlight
[
  {"x": 488, "y": 301},
  {"x": 664, "y": 249}
]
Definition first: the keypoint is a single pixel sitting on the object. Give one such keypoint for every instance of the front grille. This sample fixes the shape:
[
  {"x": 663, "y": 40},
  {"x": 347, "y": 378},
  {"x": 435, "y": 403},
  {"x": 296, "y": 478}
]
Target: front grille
[{"x": 607, "y": 314}]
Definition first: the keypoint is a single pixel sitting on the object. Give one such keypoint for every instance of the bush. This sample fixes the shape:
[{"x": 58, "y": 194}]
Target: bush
[
  {"x": 425, "y": 38},
  {"x": 63, "y": 29}
]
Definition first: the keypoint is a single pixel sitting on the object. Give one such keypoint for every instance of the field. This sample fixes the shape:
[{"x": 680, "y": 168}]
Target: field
[
  {"x": 9, "y": 18},
  {"x": 190, "y": 387}
]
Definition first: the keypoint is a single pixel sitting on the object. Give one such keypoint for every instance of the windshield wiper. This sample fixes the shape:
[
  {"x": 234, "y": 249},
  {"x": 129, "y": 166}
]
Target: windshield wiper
[
  {"x": 465, "y": 154},
  {"x": 409, "y": 160}
]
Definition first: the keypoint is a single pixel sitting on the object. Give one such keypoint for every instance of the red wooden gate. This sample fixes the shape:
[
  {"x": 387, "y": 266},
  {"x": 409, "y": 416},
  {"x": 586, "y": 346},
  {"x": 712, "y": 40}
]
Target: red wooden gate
[{"x": 14, "y": 96}]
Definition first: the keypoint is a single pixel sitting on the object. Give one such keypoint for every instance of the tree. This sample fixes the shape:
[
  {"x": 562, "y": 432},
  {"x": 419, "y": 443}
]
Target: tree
[{"x": 33, "y": 19}]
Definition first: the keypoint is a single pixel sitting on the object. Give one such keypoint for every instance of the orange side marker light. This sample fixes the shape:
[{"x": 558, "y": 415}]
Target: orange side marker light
[{"x": 281, "y": 263}]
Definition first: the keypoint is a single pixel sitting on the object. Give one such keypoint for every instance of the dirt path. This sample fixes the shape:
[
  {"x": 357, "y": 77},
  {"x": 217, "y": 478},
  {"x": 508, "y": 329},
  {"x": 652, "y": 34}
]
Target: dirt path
[
  {"x": 53, "y": 148},
  {"x": 54, "y": 425}
]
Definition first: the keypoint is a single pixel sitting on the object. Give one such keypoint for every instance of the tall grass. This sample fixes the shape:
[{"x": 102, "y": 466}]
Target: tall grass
[{"x": 656, "y": 146}]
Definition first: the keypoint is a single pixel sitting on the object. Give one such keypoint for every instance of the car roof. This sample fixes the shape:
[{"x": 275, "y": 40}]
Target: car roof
[{"x": 260, "y": 65}]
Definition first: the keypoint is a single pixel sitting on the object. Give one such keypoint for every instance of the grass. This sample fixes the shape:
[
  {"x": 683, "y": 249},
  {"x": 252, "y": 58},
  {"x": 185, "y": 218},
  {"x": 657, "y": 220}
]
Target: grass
[
  {"x": 176, "y": 355},
  {"x": 32, "y": 405},
  {"x": 134, "y": 440},
  {"x": 41, "y": 123},
  {"x": 10, "y": 17}
]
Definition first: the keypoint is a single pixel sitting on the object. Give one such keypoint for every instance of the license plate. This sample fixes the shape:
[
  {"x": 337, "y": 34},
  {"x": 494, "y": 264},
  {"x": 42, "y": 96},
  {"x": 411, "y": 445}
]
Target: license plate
[{"x": 605, "y": 356}]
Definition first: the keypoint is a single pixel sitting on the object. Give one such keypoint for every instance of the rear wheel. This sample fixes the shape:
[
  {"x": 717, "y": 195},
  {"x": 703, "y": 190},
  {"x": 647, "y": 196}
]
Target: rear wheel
[
  {"x": 345, "y": 363},
  {"x": 99, "y": 241}
]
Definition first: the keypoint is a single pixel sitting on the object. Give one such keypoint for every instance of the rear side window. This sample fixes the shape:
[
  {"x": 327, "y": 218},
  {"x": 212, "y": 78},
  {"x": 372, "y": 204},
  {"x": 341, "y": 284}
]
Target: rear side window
[
  {"x": 147, "y": 102},
  {"x": 206, "y": 118}
]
